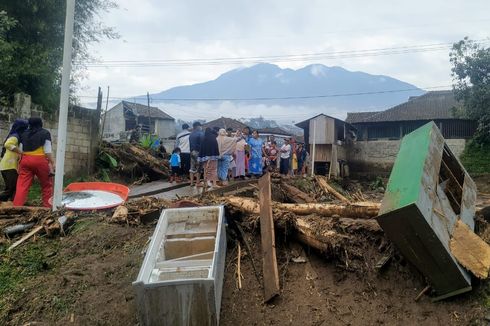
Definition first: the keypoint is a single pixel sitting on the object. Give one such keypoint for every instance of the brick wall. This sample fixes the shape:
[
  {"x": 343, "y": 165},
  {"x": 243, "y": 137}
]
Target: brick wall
[
  {"x": 376, "y": 157},
  {"x": 82, "y": 134}
]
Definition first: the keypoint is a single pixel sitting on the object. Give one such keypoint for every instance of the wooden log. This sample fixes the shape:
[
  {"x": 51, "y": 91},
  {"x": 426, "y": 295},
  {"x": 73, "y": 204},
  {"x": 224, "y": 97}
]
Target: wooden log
[
  {"x": 330, "y": 190},
  {"x": 296, "y": 195},
  {"x": 353, "y": 210},
  {"x": 7, "y": 212},
  {"x": 328, "y": 234},
  {"x": 267, "y": 235}
]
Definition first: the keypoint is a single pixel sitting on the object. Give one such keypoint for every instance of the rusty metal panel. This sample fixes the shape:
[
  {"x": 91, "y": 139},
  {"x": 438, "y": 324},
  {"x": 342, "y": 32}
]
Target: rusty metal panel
[{"x": 428, "y": 191}]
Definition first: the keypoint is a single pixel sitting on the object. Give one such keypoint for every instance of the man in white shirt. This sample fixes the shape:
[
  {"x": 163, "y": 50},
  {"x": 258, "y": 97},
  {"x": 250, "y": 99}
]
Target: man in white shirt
[
  {"x": 182, "y": 142},
  {"x": 285, "y": 156}
]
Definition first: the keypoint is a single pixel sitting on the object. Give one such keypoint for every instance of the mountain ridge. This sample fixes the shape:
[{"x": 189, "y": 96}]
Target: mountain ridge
[{"x": 312, "y": 85}]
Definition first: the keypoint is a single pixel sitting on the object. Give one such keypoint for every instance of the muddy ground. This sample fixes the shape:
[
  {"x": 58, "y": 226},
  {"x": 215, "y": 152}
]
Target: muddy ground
[{"x": 85, "y": 279}]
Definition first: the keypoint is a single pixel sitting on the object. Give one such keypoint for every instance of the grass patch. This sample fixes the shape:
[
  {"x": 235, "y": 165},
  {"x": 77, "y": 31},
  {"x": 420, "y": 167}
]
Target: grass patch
[
  {"x": 476, "y": 158},
  {"x": 21, "y": 265},
  {"x": 82, "y": 225}
]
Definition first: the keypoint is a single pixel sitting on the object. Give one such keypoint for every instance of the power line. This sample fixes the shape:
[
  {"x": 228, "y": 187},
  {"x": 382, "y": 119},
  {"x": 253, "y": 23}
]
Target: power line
[
  {"x": 279, "y": 98},
  {"x": 276, "y": 58}
]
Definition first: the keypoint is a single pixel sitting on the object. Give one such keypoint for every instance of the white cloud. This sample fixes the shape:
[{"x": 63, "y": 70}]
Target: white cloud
[{"x": 176, "y": 30}]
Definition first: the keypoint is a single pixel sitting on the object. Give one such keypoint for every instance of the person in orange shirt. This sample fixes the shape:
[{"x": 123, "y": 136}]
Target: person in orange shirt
[{"x": 37, "y": 160}]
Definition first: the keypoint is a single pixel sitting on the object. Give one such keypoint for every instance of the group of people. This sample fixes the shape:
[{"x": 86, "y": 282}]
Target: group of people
[
  {"x": 27, "y": 153},
  {"x": 223, "y": 154}
]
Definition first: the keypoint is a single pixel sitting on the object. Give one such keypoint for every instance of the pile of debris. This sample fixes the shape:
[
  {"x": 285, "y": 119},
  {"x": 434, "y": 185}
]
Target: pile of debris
[{"x": 132, "y": 161}]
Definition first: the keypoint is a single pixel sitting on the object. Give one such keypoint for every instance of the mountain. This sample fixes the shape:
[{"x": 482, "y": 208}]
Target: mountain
[{"x": 329, "y": 87}]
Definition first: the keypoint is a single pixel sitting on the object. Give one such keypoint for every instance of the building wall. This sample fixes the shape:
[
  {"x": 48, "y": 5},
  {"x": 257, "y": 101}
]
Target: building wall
[
  {"x": 165, "y": 128},
  {"x": 324, "y": 132},
  {"x": 82, "y": 135},
  {"x": 114, "y": 123},
  {"x": 376, "y": 157}
]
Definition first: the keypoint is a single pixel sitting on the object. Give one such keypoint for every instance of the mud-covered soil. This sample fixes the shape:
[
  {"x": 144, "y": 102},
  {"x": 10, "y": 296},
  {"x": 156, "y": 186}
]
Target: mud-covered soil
[{"x": 85, "y": 279}]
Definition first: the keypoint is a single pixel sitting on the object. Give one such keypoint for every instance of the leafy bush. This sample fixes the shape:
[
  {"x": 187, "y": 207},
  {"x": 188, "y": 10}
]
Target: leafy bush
[{"x": 476, "y": 158}]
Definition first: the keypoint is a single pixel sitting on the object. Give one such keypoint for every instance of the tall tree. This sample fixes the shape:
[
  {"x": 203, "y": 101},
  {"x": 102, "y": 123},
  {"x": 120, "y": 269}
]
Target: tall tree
[
  {"x": 471, "y": 76},
  {"x": 36, "y": 44}
]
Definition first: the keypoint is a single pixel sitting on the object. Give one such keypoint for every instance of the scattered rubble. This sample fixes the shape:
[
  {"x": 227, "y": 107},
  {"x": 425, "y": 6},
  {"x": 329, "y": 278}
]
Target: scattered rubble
[{"x": 135, "y": 162}]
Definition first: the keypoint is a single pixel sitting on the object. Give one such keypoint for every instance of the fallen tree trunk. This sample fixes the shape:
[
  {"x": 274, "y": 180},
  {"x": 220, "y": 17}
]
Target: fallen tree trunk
[
  {"x": 329, "y": 189},
  {"x": 354, "y": 210},
  {"x": 326, "y": 235},
  {"x": 22, "y": 210},
  {"x": 296, "y": 195}
]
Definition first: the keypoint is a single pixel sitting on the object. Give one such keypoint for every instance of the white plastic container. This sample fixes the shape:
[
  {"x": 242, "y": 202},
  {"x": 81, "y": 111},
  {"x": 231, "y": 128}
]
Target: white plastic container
[{"x": 181, "y": 279}]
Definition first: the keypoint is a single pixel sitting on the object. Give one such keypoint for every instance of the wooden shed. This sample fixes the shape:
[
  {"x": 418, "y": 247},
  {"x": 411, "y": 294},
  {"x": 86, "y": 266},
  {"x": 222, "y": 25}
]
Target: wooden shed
[{"x": 326, "y": 137}]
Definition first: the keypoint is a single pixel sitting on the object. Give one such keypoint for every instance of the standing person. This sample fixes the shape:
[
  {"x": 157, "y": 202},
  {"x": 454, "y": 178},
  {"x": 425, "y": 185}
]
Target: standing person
[
  {"x": 293, "y": 160},
  {"x": 175, "y": 164},
  {"x": 240, "y": 156},
  {"x": 256, "y": 151},
  {"x": 195, "y": 140},
  {"x": 227, "y": 147},
  {"x": 301, "y": 155},
  {"x": 285, "y": 157},
  {"x": 208, "y": 156},
  {"x": 37, "y": 160},
  {"x": 10, "y": 159},
  {"x": 182, "y": 142},
  {"x": 272, "y": 154}
]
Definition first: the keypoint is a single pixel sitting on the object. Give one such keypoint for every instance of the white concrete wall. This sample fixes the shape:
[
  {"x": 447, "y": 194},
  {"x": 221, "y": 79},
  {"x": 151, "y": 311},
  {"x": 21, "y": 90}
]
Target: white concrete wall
[
  {"x": 114, "y": 123},
  {"x": 165, "y": 128}
]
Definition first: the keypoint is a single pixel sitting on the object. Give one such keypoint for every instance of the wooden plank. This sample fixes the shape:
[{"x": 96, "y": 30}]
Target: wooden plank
[
  {"x": 269, "y": 260},
  {"x": 27, "y": 236},
  {"x": 470, "y": 250}
]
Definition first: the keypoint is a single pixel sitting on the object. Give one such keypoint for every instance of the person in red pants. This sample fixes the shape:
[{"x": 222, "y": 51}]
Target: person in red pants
[{"x": 37, "y": 160}]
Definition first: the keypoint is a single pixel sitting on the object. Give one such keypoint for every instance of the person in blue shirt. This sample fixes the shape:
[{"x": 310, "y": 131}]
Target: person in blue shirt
[{"x": 175, "y": 165}]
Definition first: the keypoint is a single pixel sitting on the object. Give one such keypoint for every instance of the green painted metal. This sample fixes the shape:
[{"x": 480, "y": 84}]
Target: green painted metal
[
  {"x": 404, "y": 185},
  {"x": 410, "y": 213}
]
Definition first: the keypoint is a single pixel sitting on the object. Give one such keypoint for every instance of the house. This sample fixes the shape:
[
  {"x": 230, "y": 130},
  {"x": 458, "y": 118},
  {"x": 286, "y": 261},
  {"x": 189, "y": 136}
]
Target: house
[
  {"x": 225, "y": 123},
  {"x": 126, "y": 116},
  {"x": 278, "y": 133},
  {"x": 326, "y": 138},
  {"x": 379, "y": 133}
]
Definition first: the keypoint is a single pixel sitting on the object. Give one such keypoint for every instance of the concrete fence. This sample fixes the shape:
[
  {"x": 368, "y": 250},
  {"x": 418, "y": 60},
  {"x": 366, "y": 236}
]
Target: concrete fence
[
  {"x": 82, "y": 135},
  {"x": 376, "y": 157}
]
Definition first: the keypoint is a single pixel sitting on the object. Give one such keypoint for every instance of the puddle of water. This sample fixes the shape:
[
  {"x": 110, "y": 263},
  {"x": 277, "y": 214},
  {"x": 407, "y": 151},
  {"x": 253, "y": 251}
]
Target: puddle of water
[{"x": 90, "y": 199}]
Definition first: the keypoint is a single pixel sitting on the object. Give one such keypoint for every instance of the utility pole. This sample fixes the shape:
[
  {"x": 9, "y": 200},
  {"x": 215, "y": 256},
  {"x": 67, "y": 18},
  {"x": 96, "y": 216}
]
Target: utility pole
[
  {"x": 64, "y": 98},
  {"x": 149, "y": 113},
  {"x": 105, "y": 114}
]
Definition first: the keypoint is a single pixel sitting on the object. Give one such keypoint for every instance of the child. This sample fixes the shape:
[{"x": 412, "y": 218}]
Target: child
[
  {"x": 272, "y": 156},
  {"x": 175, "y": 165}
]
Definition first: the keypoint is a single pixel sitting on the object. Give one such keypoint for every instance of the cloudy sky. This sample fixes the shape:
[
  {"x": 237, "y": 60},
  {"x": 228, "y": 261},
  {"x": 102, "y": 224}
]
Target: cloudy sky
[{"x": 180, "y": 29}]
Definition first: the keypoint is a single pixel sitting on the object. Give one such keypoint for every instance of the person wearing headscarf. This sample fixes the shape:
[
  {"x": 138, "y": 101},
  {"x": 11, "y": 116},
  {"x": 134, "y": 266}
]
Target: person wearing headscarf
[
  {"x": 226, "y": 146},
  {"x": 208, "y": 156},
  {"x": 10, "y": 159},
  {"x": 240, "y": 156},
  {"x": 37, "y": 160},
  {"x": 256, "y": 151}
]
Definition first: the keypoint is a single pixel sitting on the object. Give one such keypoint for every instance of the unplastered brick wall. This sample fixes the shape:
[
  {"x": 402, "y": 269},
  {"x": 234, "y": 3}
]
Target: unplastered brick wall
[
  {"x": 82, "y": 134},
  {"x": 376, "y": 157}
]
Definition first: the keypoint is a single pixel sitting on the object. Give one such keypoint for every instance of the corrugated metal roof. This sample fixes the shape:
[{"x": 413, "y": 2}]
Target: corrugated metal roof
[
  {"x": 225, "y": 123},
  {"x": 430, "y": 106},
  {"x": 353, "y": 117},
  {"x": 274, "y": 131},
  {"x": 142, "y": 110}
]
